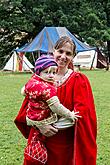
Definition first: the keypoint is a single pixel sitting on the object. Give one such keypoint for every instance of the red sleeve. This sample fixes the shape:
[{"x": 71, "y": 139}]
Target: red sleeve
[
  {"x": 20, "y": 120},
  {"x": 33, "y": 89},
  {"x": 49, "y": 92},
  {"x": 30, "y": 87},
  {"x": 86, "y": 127}
]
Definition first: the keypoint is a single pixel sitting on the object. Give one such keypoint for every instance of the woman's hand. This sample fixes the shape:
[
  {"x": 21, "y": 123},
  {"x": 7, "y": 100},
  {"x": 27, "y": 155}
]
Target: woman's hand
[{"x": 48, "y": 130}]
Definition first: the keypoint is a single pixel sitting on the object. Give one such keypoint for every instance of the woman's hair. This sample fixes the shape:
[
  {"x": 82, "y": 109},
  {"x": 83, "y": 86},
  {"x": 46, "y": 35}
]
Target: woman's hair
[{"x": 65, "y": 39}]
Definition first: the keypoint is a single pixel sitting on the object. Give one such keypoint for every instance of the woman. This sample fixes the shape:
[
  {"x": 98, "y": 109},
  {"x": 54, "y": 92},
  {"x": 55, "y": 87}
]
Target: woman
[{"x": 75, "y": 145}]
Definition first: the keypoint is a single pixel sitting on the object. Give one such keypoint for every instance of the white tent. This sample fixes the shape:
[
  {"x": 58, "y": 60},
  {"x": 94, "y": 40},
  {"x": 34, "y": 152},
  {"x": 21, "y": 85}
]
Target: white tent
[
  {"x": 18, "y": 62},
  {"x": 90, "y": 59}
]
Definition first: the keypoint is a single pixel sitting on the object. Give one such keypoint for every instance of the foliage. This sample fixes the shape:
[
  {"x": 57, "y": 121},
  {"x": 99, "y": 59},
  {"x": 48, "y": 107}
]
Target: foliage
[
  {"x": 12, "y": 142},
  {"x": 21, "y": 20}
]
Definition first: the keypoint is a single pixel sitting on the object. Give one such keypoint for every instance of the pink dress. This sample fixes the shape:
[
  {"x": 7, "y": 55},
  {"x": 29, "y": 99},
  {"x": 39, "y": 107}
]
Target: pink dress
[{"x": 39, "y": 91}]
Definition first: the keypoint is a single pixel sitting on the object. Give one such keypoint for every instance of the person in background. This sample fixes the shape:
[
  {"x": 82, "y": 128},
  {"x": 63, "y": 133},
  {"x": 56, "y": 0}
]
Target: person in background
[{"x": 65, "y": 144}]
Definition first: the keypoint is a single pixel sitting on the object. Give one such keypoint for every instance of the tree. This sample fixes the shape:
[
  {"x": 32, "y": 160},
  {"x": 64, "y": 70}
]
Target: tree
[
  {"x": 21, "y": 20},
  {"x": 97, "y": 24}
]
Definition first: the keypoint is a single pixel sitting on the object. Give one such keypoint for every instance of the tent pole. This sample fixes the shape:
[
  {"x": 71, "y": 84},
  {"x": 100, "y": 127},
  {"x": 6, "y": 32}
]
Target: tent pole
[
  {"x": 33, "y": 57},
  {"x": 25, "y": 63},
  {"x": 13, "y": 62},
  {"x": 38, "y": 53},
  {"x": 93, "y": 61}
]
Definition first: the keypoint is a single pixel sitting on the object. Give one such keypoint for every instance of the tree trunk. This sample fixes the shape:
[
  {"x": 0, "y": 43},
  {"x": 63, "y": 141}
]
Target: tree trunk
[
  {"x": 108, "y": 55},
  {"x": 108, "y": 49}
]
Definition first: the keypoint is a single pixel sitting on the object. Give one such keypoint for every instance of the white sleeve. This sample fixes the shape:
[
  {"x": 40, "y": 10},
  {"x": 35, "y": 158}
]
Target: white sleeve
[{"x": 56, "y": 107}]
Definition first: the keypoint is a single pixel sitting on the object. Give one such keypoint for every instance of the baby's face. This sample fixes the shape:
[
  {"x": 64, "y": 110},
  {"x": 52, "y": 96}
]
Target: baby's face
[{"x": 49, "y": 74}]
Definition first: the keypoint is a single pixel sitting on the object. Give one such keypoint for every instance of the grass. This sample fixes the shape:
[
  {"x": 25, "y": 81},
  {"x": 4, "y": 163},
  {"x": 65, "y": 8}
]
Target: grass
[{"x": 11, "y": 141}]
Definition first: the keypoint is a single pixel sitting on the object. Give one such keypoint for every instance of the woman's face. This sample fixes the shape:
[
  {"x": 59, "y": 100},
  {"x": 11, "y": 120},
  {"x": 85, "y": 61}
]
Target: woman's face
[{"x": 64, "y": 55}]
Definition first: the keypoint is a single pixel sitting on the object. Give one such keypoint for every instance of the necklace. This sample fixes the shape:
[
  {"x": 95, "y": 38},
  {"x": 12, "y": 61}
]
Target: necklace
[{"x": 62, "y": 79}]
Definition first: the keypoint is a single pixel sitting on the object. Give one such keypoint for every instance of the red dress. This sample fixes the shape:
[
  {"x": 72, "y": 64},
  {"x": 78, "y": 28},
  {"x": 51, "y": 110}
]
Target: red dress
[{"x": 75, "y": 145}]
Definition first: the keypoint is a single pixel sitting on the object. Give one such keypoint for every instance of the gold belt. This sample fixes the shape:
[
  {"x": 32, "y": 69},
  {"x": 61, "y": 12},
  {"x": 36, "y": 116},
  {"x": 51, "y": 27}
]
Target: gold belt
[{"x": 52, "y": 119}]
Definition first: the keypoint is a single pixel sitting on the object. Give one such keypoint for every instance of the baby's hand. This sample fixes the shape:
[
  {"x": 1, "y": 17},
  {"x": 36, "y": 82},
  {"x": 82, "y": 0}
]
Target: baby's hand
[
  {"x": 75, "y": 115},
  {"x": 23, "y": 91}
]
